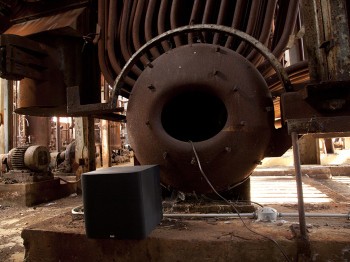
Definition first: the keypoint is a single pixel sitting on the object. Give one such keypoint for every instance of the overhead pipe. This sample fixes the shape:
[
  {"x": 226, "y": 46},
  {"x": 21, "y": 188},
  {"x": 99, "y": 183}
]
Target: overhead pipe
[
  {"x": 207, "y": 15},
  {"x": 251, "y": 23},
  {"x": 111, "y": 28},
  {"x": 173, "y": 20},
  {"x": 194, "y": 18},
  {"x": 235, "y": 21},
  {"x": 220, "y": 21},
  {"x": 148, "y": 26},
  {"x": 265, "y": 31},
  {"x": 280, "y": 41},
  {"x": 123, "y": 38},
  {"x": 136, "y": 29},
  {"x": 101, "y": 43},
  {"x": 161, "y": 22}
]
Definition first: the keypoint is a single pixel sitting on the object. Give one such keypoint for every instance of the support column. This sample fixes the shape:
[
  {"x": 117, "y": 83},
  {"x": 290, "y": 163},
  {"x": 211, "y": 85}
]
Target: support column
[
  {"x": 304, "y": 251},
  {"x": 106, "y": 151},
  {"x": 6, "y": 122},
  {"x": 309, "y": 150},
  {"x": 2, "y": 135},
  {"x": 58, "y": 135},
  {"x": 85, "y": 144}
]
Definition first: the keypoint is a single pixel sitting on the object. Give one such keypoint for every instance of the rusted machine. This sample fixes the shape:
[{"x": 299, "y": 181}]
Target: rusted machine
[
  {"x": 27, "y": 164},
  {"x": 204, "y": 76}
]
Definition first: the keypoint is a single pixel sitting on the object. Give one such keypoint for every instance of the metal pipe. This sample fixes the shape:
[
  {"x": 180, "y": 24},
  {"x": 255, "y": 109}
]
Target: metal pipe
[
  {"x": 288, "y": 28},
  {"x": 194, "y": 18},
  {"x": 148, "y": 26},
  {"x": 233, "y": 215},
  {"x": 207, "y": 15},
  {"x": 123, "y": 38},
  {"x": 161, "y": 22},
  {"x": 251, "y": 23},
  {"x": 77, "y": 211},
  {"x": 266, "y": 29},
  {"x": 281, "y": 37},
  {"x": 101, "y": 43},
  {"x": 221, "y": 16},
  {"x": 173, "y": 20},
  {"x": 254, "y": 215},
  {"x": 235, "y": 21},
  {"x": 330, "y": 215},
  {"x": 111, "y": 28},
  {"x": 299, "y": 182},
  {"x": 136, "y": 29}
]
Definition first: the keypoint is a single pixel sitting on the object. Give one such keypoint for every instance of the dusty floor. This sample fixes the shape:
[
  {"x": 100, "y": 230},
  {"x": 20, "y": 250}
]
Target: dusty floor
[
  {"x": 13, "y": 219},
  {"x": 321, "y": 195}
]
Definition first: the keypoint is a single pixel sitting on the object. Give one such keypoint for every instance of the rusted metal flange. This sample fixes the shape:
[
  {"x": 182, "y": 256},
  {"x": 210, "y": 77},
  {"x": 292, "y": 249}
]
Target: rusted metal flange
[{"x": 211, "y": 96}]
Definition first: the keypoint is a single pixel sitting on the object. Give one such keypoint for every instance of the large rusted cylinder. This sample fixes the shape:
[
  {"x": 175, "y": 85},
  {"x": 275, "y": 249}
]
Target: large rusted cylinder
[
  {"x": 42, "y": 98},
  {"x": 205, "y": 94}
]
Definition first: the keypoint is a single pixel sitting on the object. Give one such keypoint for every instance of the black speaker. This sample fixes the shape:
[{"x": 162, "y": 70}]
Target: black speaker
[{"x": 122, "y": 202}]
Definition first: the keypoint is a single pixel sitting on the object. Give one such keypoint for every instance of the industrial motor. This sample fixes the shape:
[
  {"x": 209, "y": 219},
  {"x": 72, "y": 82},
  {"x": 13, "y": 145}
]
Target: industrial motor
[{"x": 34, "y": 158}]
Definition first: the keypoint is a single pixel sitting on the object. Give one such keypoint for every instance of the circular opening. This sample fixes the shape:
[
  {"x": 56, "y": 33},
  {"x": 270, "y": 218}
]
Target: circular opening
[{"x": 194, "y": 115}]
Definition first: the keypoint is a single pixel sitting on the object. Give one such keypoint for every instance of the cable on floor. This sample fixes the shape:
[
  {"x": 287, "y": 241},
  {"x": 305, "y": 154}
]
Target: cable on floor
[{"x": 233, "y": 206}]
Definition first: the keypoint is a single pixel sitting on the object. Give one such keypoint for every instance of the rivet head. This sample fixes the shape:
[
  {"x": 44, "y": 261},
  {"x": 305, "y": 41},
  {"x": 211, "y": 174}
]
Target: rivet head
[
  {"x": 151, "y": 87},
  {"x": 193, "y": 161},
  {"x": 228, "y": 149},
  {"x": 242, "y": 123}
]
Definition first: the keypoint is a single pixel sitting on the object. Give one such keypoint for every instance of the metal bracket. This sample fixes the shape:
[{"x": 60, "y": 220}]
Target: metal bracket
[{"x": 98, "y": 110}]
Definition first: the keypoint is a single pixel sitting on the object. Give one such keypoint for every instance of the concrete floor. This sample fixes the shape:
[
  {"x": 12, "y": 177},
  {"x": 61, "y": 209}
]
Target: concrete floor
[{"x": 195, "y": 240}]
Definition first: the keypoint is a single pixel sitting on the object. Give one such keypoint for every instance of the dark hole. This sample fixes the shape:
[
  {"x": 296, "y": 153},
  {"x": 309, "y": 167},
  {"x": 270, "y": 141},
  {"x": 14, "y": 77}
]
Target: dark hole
[{"x": 194, "y": 115}]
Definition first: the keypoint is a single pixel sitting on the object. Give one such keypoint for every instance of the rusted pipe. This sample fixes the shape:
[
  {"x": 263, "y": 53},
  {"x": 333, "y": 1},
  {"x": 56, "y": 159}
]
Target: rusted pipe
[
  {"x": 266, "y": 29},
  {"x": 235, "y": 21},
  {"x": 136, "y": 29},
  {"x": 161, "y": 22},
  {"x": 288, "y": 27},
  {"x": 124, "y": 43},
  {"x": 101, "y": 44},
  {"x": 136, "y": 24},
  {"x": 194, "y": 18},
  {"x": 281, "y": 41},
  {"x": 220, "y": 21},
  {"x": 148, "y": 26},
  {"x": 283, "y": 76},
  {"x": 112, "y": 25},
  {"x": 251, "y": 23},
  {"x": 207, "y": 15},
  {"x": 173, "y": 20}
]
